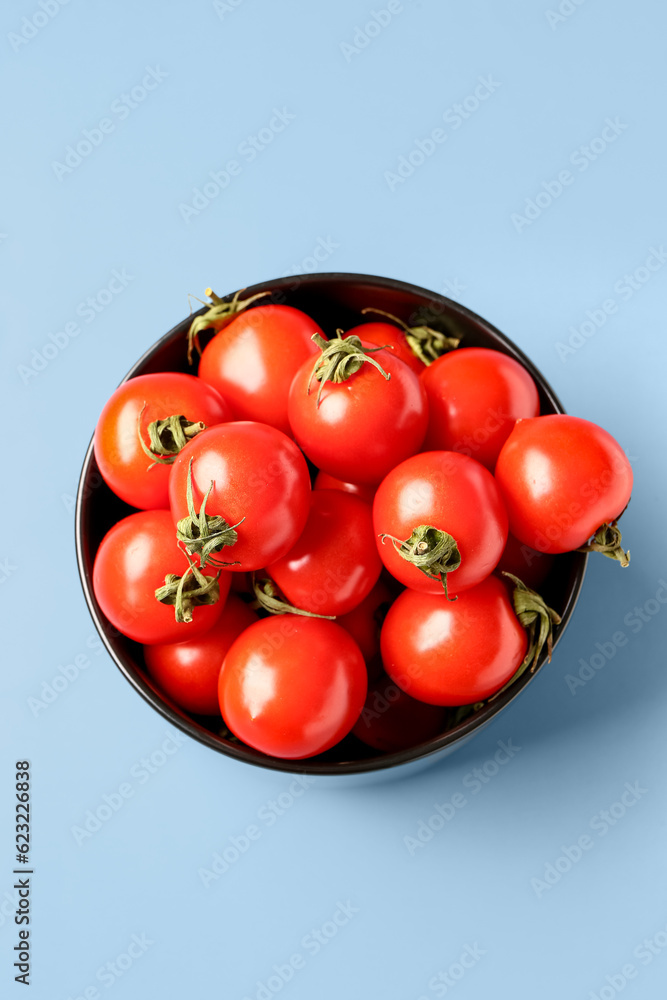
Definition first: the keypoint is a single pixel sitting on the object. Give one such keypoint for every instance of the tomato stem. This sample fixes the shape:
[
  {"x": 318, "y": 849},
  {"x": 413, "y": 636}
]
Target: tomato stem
[
  {"x": 340, "y": 358},
  {"x": 266, "y": 597},
  {"x": 188, "y": 591},
  {"x": 425, "y": 343},
  {"x": 607, "y": 540},
  {"x": 203, "y": 534},
  {"x": 217, "y": 316},
  {"x": 538, "y": 620},
  {"x": 430, "y": 550},
  {"x": 167, "y": 437}
]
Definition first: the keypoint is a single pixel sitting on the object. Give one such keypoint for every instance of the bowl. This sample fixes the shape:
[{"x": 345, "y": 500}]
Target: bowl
[{"x": 333, "y": 300}]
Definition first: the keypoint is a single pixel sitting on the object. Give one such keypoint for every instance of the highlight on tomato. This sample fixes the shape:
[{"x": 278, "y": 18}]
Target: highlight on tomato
[
  {"x": 144, "y": 425},
  {"x": 323, "y": 481},
  {"x": 440, "y": 522},
  {"x": 188, "y": 672},
  {"x": 453, "y": 652},
  {"x": 475, "y": 395},
  {"x": 564, "y": 480},
  {"x": 148, "y": 588},
  {"x": 334, "y": 564},
  {"x": 240, "y": 495},
  {"x": 292, "y": 686},
  {"x": 357, "y": 411},
  {"x": 254, "y": 358}
]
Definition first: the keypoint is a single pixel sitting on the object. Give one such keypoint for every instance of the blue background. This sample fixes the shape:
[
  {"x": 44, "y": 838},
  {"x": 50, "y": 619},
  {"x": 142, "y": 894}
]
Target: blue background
[{"x": 448, "y": 226}]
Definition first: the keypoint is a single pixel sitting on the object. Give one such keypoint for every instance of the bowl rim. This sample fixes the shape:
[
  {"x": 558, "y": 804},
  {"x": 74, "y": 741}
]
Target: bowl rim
[{"x": 310, "y": 766}]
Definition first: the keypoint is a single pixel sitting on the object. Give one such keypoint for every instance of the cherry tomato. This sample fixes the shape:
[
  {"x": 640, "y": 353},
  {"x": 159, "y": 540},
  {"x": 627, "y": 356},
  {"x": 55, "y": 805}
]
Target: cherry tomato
[
  {"x": 253, "y": 360},
  {"x": 453, "y": 652},
  {"x": 362, "y": 426},
  {"x": 323, "y": 481},
  {"x": 292, "y": 686},
  {"x": 391, "y": 720},
  {"x": 450, "y": 492},
  {"x": 526, "y": 563},
  {"x": 188, "y": 671},
  {"x": 475, "y": 395},
  {"x": 132, "y": 562},
  {"x": 335, "y": 563},
  {"x": 561, "y": 478},
  {"x": 392, "y": 338},
  {"x": 260, "y": 483},
  {"x": 365, "y": 621},
  {"x": 125, "y": 466}
]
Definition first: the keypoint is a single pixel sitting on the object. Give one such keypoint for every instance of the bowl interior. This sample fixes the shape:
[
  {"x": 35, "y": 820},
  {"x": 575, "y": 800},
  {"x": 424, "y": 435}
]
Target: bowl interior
[{"x": 333, "y": 300}]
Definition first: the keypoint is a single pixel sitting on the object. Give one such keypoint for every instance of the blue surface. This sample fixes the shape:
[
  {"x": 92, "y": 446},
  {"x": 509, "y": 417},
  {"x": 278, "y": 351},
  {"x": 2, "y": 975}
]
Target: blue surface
[{"x": 475, "y": 901}]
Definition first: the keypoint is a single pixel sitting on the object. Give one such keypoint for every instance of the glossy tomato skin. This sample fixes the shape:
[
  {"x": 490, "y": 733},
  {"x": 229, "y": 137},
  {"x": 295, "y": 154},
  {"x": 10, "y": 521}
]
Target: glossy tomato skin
[
  {"x": 188, "y": 671},
  {"x": 392, "y": 338},
  {"x": 334, "y": 564},
  {"x": 323, "y": 481},
  {"x": 253, "y": 360},
  {"x": 292, "y": 686},
  {"x": 124, "y": 465},
  {"x": 364, "y": 425},
  {"x": 475, "y": 395},
  {"x": 258, "y": 474},
  {"x": 131, "y": 563},
  {"x": 561, "y": 478},
  {"x": 453, "y": 652},
  {"x": 451, "y": 492},
  {"x": 391, "y": 720}
]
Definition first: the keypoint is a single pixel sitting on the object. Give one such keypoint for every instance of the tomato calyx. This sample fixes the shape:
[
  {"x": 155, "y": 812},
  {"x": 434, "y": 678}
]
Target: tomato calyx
[
  {"x": 188, "y": 591},
  {"x": 168, "y": 437},
  {"x": 425, "y": 343},
  {"x": 204, "y": 534},
  {"x": 607, "y": 540},
  {"x": 217, "y": 316},
  {"x": 267, "y": 598},
  {"x": 341, "y": 358},
  {"x": 431, "y": 550},
  {"x": 538, "y": 620}
]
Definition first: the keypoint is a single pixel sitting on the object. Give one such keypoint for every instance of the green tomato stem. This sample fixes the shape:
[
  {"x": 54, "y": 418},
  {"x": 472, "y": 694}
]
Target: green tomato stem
[
  {"x": 607, "y": 540},
  {"x": 202, "y": 534},
  {"x": 425, "y": 343},
  {"x": 430, "y": 550},
  {"x": 340, "y": 358},
  {"x": 217, "y": 316}
]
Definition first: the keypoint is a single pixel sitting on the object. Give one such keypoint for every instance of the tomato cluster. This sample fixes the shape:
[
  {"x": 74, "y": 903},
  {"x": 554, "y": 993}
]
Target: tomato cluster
[{"x": 342, "y": 533}]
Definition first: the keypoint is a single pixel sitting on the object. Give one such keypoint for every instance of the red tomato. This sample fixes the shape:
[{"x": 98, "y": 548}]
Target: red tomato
[
  {"x": 390, "y": 336},
  {"x": 365, "y": 621},
  {"x": 529, "y": 565},
  {"x": 453, "y": 493},
  {"x": 475, "y": 395},
  {"x": 324, "y": 481},
  {"x": 363, "y": 426},
  {"x": 132, "y": 562},
  {"x": 124, "y": 465},
  {"x": 391, "y": 720},
  {"x": 335, "y": 563},
  {"x": 259, "y": 474},
  {"x": 292, "y": 686},
  {"x": 188, "y": 671},
  {"x": 453, "y": 652},
  {"x": 253, "y": 360},
  {"x": 561, "y": 478}
]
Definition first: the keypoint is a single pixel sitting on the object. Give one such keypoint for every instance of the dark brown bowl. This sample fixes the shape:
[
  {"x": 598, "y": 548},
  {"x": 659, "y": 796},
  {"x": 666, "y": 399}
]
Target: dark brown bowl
[{"x": 333, "y": 300}]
